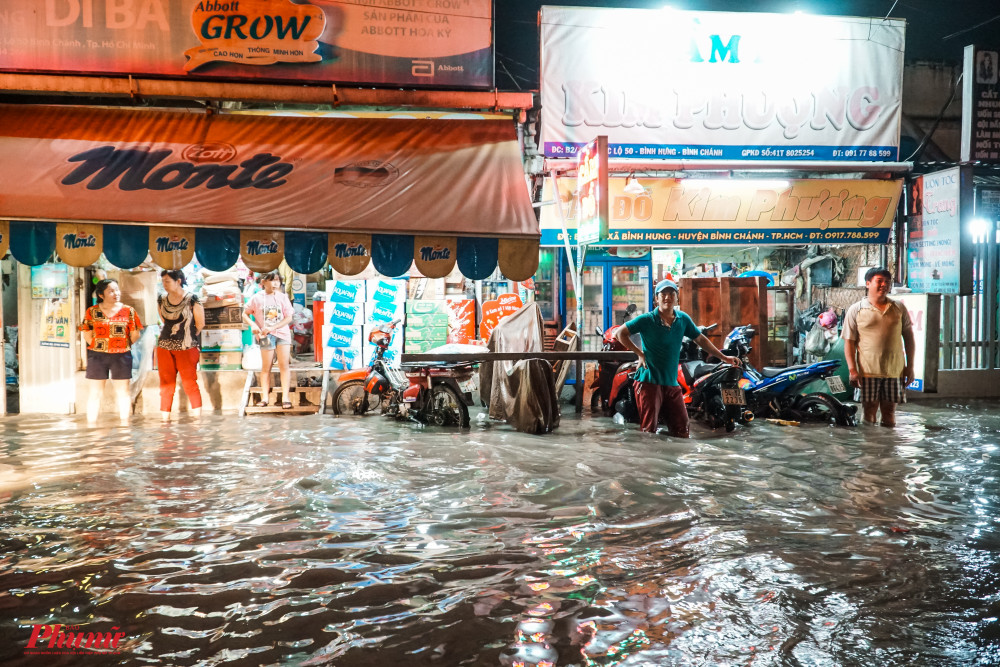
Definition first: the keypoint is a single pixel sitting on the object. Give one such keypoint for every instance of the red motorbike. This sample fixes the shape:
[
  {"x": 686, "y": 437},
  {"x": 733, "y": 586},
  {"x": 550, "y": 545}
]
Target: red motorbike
[
  {"x": 436, "y": 393},
  {"x": 603, "y": 385}
]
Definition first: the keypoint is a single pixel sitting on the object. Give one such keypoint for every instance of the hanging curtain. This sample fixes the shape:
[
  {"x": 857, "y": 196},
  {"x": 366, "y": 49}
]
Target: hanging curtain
[
  {"x": 477, "y": 257},
  {"x": 126, "y": 246},
  {"x": 32, "y": 243},
  {"x": 392, "y": 254},
  {"x": 305, "y": 252},
  {"x": 217, "y": 249}
]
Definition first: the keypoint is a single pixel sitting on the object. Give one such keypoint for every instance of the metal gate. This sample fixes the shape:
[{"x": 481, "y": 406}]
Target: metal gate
[{"x": 969, "y": 324}]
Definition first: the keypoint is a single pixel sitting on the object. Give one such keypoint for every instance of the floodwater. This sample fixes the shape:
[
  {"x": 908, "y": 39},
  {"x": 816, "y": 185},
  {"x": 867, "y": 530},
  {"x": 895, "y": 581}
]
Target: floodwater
[{"x": 358, "y": 541}]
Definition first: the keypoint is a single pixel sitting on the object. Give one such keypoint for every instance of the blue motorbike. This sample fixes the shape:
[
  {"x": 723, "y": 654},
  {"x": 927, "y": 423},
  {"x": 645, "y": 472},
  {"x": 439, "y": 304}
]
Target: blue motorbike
[{"x": 777, "y": 392}]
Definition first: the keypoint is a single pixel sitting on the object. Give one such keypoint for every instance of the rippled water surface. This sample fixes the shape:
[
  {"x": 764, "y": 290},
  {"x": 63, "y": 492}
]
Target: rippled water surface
[{"x": 358, "y": 541}]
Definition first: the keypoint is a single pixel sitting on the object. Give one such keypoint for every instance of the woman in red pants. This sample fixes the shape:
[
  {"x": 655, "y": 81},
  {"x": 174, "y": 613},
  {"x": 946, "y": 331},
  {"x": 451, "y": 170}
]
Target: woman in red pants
[{"x": 177, "y": 350}]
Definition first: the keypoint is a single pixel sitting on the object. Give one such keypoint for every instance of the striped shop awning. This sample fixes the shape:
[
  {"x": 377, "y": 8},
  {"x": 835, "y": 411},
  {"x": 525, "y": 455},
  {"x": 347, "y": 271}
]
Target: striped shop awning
[
  {"x": 435, "y": 193},
  {"x": 126, "y": 246}
]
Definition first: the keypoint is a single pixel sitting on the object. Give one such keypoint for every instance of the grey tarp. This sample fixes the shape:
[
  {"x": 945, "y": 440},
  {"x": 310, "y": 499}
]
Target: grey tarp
[{"x": 523, "y": 392}]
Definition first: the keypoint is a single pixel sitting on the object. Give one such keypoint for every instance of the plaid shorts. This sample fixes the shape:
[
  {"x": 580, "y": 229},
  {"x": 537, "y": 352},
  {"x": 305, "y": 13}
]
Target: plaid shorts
[{"x": 880, "y": 389}]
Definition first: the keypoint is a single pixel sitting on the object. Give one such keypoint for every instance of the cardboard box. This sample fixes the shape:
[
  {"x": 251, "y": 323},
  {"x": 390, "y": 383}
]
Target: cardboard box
[
  {"x": 222, "y": 340},
  {"x": 343, "y": 314},
  {"x": 438, "y": 334},
  {"x": 419, "y": 346},
  {"x": 211, "y": 302},
  {"x": 342, "y": 336},
  {"x": 437, "y": 320},
  {"x": 383, "y": 311},
  {"x": 461, "y": 320},
  {"x": 386, "y": 289},
  {"x": 345, "y": 291},
  {"x": 226, "y": 317},
  {"x": 426, "y": 306},
  {"x": 391, "y": 355},
  {"x": 342, "y": 358},
  {"x": 221, "y": 361}
]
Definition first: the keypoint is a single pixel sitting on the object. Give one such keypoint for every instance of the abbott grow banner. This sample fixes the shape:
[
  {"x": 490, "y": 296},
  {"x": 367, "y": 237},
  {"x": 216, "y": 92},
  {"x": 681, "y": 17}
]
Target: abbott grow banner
[
  {"x": 400, "y": 42},
  {"x": 679, "y": 85}
]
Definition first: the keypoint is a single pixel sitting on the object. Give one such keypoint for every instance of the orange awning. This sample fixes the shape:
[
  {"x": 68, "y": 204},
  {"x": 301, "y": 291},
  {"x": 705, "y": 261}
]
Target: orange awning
[{"x": 451, "y": 177}]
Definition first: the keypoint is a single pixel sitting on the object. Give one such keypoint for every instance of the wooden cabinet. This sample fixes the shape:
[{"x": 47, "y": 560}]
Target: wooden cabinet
[
  {"x": 781, "y": 332},
  {"x": 728, "y": 302}
]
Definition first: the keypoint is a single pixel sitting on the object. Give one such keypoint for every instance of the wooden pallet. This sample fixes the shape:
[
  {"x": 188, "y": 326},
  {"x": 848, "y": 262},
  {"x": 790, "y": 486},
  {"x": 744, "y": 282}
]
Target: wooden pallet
[{"x": 305, "y": 401}]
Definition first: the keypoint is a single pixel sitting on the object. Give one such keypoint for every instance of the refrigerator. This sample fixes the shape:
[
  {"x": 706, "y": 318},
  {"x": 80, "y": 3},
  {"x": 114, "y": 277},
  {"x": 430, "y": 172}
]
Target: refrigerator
[{"x": 611, "y": 284}]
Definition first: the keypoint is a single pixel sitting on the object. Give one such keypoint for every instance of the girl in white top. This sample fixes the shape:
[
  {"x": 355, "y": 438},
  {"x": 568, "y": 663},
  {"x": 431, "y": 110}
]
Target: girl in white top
[{"x": 268, "y": 315}]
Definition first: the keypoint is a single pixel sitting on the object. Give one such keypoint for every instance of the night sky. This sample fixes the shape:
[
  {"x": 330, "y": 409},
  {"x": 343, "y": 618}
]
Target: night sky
[{"x": 936, "y": 30}]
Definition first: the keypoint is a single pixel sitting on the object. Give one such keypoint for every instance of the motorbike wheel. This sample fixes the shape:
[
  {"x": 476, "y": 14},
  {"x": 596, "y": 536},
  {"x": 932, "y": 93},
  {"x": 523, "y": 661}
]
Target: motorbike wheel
[
  {"x": 821, "y": 407},
  {"x": 715, "y": 413},
  {"x": 446, "y": 407},
  {"x": 351, "y": 398}
]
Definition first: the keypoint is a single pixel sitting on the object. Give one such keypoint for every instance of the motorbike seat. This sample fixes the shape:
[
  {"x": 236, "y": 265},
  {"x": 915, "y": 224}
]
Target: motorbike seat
[
  {"x": 770, "y": 372},
  {"x": 695, "y": 369}
]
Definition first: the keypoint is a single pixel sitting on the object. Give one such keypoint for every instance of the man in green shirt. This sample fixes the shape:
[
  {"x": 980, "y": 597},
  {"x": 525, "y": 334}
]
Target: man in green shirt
[{"x": 656, "y": 388}]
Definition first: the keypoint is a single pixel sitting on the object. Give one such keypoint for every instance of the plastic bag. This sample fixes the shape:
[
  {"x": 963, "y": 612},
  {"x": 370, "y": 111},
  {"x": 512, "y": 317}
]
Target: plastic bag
[
  {"x": 816, "y": 341},
  {"x": 252, "y": 360}
]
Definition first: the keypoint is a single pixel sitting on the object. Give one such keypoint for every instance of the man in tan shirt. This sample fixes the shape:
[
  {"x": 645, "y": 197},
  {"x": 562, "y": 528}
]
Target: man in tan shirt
[{"x": 876, "y": 331}]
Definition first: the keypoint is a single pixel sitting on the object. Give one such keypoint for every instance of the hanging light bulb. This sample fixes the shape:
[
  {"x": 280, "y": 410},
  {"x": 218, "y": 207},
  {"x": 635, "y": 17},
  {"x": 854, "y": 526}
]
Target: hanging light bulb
[{"x": 632, "y": 186}]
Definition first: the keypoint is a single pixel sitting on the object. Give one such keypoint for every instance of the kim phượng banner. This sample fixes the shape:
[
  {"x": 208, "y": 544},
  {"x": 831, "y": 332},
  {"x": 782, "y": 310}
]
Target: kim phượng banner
[
  {"x": 702, "y": 211},
  {"x": 420, "y": 43},
  {"x": 682, "y": 85}
]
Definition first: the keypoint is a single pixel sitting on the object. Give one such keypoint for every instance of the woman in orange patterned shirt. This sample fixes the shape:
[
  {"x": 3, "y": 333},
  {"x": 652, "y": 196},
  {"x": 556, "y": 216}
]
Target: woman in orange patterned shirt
[{"x": 110, "y": 328}]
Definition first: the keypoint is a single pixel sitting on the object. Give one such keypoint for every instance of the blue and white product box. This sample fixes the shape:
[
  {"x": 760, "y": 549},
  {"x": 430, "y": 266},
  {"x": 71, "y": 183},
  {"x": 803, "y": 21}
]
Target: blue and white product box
[
  {"x": 346, "y": 291},
  {"x": 391, "y": 355},
  {"x": 386, "y": 289},
  {"x": 343, "y": 314},
  {"x": 342, "y": 358},
  {"x": 377, "y": 312},
  {"x": 342, "y": 336}
]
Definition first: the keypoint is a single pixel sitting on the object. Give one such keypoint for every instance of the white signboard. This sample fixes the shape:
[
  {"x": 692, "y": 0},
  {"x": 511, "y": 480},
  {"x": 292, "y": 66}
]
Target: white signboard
[
  {"x": 678, "y": 85},
  {"x": 939, "y": 256},
  {"x": 925, "y": 315}
]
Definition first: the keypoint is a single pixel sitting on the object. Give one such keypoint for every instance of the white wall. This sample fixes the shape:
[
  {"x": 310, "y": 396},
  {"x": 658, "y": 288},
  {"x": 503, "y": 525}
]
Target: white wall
[{"x": 47, "y": 384}]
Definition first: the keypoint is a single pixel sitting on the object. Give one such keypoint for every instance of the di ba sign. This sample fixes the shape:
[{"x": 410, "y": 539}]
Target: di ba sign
[{"x": 592, "y": 192}]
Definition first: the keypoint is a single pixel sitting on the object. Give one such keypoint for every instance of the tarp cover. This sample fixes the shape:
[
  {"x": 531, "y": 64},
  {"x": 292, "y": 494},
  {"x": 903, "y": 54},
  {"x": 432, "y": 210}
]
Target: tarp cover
[
  {"x": 184, "y": 168},
  {"x": 522, "y": 393}
]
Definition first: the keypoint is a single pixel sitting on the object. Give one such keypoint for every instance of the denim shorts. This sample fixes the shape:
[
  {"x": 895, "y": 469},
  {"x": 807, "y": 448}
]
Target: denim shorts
[
  {"x": 116, "y": 364},
  {"x": 270, "y": 341}
]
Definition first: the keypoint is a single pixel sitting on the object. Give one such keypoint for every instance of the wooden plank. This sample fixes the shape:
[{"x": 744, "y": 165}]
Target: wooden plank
[
  {"x": 277, "y": 409},
  {"x": 293, "y": 92},
  {"x": 483, "y": 357}
]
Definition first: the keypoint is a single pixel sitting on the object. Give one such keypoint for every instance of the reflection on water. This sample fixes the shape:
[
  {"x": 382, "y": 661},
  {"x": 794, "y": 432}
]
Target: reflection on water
[{"x": 358, "y": 541}]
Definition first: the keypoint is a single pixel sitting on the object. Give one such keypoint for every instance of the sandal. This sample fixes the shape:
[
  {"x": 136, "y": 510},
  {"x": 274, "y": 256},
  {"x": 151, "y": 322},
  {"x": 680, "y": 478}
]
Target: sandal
[
  {"x": 260, "y": 404},
  {"x": 286, "y": 406}
]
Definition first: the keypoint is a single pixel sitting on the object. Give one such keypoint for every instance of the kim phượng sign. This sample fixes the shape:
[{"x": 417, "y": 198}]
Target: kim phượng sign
[
  {"x": 679, "y": 85},
  {"x": 399, "y": 42},
  {"x": 702, "y": 211}
]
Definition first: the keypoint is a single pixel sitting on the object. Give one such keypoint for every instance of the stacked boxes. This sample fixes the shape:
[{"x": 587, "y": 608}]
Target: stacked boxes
[
  {"x": 461, "y": 321},
  {"x": 343, "y": 317},
  {"x": 434, "y": 322},
  {"x": 386, "y": 297},
  {"x": 222, "y": 337},
  {"x": 353, "y": 310},
  {"x": 426, "y": 325}
]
